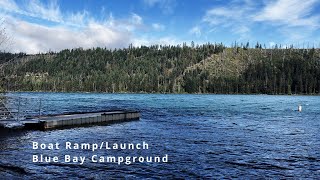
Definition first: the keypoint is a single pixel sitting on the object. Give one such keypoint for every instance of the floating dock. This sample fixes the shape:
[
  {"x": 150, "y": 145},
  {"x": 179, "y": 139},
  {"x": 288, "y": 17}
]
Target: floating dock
[{"x": 73, "y": 120}]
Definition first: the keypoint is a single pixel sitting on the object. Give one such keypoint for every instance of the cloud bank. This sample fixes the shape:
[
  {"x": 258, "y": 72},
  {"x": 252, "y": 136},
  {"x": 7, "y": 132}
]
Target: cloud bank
[
  {"x": 36, "y": 26},
  {"x": 57, "y": 31}
]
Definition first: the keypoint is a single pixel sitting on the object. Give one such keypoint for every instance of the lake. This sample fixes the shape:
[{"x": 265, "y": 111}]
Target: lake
[{"x": 204, "y": 136}]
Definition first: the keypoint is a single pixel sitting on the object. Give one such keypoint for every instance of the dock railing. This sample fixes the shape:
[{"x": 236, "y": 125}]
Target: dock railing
[{"x": 16, "y": 108}]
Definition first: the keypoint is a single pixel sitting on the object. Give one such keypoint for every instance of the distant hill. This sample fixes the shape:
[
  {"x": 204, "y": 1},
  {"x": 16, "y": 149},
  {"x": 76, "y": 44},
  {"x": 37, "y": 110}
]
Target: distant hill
[{"x": 208, "y": 68}]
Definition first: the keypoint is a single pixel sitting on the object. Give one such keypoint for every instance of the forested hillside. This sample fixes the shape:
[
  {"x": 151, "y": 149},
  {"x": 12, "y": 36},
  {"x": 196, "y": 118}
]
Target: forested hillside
[{"x": 209, "y": 68}]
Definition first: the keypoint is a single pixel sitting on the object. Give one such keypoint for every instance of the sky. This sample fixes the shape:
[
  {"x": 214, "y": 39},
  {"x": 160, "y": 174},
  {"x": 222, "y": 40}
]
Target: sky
[{"x": 40, "y": 26}]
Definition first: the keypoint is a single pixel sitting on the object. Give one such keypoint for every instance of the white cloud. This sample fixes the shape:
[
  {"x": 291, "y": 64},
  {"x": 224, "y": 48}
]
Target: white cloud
[
  {"x": 166, "y": 6},
  {"x": 158, "y": 27},
  {"x": 69, "y": 30},
  {"x": 195, "y": 31},
  {"x": 131, "y": 24},
  {"x": 217, "y": 16},
  {"x": 243, "y": 31},
  {"x": 72, "y": 30},
  {"x": 75, "y": 29},
  {"x": 34, "y": 8},
  {"x": 136, "y": 19},
  {"x": 151, "y": 3},
  {"x": 49, "y": 11},
  {"x": 33, "y": 38},
  {"x": 233, "y": 12},
  {"x": 8, "y": 5},
  {"x": 147, "y": 41},
  {"x": 290, "y": 12},
  {"x": 78, "y": 18},
  {"x": 292, "y": 20},
  {"x": 169, "y": 40},
  {"x": 234, "y": 18}
]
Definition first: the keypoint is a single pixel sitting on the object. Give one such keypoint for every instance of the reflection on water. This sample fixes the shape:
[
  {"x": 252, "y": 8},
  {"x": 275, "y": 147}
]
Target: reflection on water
[{"x": 205, "y": 136}]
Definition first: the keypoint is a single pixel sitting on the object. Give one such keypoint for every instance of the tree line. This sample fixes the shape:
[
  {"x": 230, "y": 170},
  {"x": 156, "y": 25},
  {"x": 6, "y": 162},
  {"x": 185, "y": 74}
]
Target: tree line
[{"x": 207, "y": 68}]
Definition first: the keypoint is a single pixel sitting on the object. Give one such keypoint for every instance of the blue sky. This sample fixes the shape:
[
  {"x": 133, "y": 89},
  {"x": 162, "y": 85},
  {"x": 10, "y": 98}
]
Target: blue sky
[{"x": 38, "y": 26}]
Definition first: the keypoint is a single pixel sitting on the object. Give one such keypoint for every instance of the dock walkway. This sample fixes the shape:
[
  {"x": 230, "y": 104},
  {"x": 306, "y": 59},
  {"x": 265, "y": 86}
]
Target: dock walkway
[{"x": 72, "y": 120}]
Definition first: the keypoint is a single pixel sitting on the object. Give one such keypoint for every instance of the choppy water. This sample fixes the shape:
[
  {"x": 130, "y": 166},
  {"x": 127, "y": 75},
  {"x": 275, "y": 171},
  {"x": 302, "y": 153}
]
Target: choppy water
[{"x": 205, "y": 136}]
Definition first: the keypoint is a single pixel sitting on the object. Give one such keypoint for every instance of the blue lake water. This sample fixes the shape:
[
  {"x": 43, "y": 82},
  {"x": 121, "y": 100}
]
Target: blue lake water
[{"x": 205, "y": 136}]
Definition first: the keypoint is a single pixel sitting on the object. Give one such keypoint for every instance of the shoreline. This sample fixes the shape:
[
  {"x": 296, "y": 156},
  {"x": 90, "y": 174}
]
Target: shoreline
[{"x": 158, "y": 93}]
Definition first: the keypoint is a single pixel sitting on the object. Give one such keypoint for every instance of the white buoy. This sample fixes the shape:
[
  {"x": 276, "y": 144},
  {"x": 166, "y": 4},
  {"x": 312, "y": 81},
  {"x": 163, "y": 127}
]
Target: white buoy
[{"x": 299, "y": 108}]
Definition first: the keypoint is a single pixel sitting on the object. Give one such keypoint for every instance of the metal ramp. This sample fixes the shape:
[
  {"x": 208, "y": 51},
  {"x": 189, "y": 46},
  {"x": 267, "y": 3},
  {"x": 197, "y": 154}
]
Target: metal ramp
[{"x": 15, "y": 110}]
